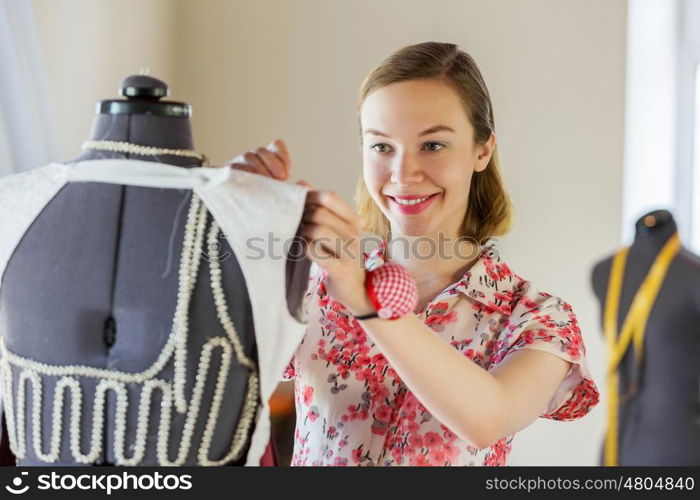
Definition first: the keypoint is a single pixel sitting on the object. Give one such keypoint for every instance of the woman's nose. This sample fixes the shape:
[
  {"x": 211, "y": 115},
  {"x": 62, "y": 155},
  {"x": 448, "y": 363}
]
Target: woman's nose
[{"x": 405, "y": 170}]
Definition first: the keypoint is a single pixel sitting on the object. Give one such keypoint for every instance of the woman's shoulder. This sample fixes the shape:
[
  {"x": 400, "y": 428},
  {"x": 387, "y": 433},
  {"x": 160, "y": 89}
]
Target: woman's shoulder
[
  {"x": 542, "y": 321},
  {"x": 531, "y": 316},
  {"x": 492, "y": 282}
]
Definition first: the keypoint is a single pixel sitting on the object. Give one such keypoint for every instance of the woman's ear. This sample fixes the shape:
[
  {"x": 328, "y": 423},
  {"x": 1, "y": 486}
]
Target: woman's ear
[{"x": 484, "y": 152}]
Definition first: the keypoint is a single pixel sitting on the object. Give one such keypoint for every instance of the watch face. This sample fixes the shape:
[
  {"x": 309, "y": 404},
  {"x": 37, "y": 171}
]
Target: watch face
[{"x": 385, "y": 313}]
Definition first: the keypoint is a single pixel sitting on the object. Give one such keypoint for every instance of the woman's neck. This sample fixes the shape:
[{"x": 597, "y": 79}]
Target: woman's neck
[{"x": 431, "y": 259}]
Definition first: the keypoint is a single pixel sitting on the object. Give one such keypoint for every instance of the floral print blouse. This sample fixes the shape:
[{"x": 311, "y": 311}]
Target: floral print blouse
[{"x": 353, "y": 409}]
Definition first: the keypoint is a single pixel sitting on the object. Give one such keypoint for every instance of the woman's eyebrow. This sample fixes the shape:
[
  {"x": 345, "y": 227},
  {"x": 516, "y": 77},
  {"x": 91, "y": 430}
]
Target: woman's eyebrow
[
  {"x": 374, "y": 132},
  {"x": 431, "y": 130},
  {"x": 436, "y": 128}
]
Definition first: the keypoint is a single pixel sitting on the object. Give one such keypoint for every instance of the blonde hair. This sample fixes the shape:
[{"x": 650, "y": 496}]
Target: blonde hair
[{"x": 489, "y": 209}]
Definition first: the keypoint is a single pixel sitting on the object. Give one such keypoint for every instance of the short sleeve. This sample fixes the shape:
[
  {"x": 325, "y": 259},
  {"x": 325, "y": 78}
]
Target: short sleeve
[
  {"x": 547, "y": 323},
  {"x": 316, "y": 276}
]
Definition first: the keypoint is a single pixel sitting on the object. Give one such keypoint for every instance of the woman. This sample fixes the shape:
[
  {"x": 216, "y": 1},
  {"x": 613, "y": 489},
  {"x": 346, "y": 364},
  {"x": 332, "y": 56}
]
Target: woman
[{"x": 485, "y": 352}]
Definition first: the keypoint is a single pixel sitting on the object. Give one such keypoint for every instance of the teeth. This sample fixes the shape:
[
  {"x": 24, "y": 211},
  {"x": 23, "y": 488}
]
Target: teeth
[{"x": 411, "y": 202}]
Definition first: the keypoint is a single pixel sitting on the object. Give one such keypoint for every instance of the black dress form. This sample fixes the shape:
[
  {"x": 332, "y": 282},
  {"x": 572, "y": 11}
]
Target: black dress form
[
  {"x": 95, "y": 278},
  {"x": 659, "y": 424}
]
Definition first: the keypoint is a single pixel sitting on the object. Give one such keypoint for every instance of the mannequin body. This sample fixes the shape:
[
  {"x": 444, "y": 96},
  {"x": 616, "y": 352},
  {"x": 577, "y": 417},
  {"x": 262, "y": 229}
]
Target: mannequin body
[
  {"x": 112, "y": 305},
  {"x": 660, "y": 423}
]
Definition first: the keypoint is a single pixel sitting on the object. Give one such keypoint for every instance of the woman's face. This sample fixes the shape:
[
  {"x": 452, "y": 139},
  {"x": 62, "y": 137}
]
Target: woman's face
[{"x": 419, "y": 156}]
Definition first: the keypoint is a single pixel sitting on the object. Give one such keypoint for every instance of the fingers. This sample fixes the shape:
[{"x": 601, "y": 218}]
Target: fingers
[
  {"x": 240, "y": 164},
  {"x": 279, "y": 148},
  {"x": 335, "y": 204},
  {"x": 331, "y": 240},
  {"x": 322, "y": 243},
  {"x": 272, "y": 161},
  {"x": 322, "y": 256},
  {"x": 253, "y": 158},
  {"x": 321, "y": 216}
]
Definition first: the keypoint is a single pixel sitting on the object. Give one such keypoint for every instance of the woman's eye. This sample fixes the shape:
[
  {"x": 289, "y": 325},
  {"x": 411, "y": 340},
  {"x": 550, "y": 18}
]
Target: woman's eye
[
  {"x": 434, "y": 146},
  {"x": 380, "y": 148}
]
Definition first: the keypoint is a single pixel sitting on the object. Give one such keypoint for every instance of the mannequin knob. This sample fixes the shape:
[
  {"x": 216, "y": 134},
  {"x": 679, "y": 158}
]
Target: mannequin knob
[{"x": 143, "y": 87}]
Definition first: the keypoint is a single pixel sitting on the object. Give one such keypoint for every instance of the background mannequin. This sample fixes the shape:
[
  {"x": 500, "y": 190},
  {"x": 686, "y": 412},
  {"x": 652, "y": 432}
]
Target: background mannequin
[
  {"x": 124, "y": 252},
  {"x": 660, "y": 423}
]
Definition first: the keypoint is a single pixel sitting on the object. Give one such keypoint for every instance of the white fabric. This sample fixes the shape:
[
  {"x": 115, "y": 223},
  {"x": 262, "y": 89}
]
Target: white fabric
[
  {"x": 22, "y": 198},
  {"x": 248, "y": 208}
]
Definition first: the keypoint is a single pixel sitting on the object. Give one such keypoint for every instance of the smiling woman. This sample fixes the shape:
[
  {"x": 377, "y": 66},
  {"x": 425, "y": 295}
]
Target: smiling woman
[
  {"x": 450, "y": 104},
  {"x": 484, "y": 352}
]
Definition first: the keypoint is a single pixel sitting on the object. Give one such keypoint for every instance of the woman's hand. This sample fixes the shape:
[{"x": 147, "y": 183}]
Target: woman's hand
[
  {"x": 331, "y": 230},
  {"x": 271, "y": 161}
]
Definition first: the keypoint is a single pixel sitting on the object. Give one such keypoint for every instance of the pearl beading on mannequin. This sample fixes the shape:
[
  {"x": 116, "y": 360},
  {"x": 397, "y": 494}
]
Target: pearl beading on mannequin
[
  {"x": 251, "y": 398},
  {"x": 173, "y": 393},
  {"x": 137, "y": 149}
]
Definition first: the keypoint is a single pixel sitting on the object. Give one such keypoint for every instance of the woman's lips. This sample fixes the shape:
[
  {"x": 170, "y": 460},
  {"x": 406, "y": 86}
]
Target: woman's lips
[{"x": 414, "y": 208}]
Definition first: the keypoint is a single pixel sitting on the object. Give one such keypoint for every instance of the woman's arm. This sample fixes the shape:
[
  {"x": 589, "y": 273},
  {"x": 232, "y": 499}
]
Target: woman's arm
[{"x": 479, "y": 406}]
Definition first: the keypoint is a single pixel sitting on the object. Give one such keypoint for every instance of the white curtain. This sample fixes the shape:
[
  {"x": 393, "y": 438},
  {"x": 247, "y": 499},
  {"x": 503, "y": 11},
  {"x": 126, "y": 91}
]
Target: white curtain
[{"x": 27, "y": 136}]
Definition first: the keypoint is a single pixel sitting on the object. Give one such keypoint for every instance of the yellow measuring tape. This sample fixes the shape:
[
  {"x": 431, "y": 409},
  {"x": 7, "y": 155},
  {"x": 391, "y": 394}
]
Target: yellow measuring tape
[{"x": 632, "y": 328}]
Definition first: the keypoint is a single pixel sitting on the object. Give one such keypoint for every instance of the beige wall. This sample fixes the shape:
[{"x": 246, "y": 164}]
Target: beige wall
[
  {"x": 258, "y": 70},
  {"x": 90, "y": 46}
]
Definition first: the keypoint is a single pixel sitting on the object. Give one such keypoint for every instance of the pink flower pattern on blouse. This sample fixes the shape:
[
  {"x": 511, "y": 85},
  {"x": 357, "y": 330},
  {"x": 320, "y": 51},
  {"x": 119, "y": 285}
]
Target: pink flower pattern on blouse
[{"x": 352, "y": 407}]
